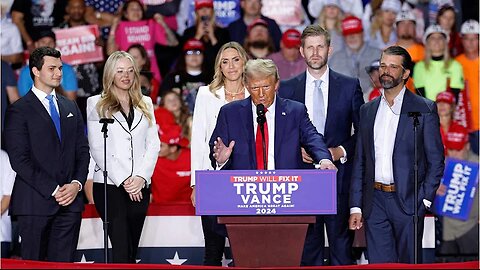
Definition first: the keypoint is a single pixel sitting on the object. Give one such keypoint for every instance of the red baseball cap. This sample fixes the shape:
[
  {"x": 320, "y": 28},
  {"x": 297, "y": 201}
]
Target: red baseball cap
[
  {"x": 203, "y": 3},
  {"x": 291, "y": 38},
  {"x": 256, "y": 22},
  {"x": 457, "y": 137},
  {"x": 446, "y": 97},
  {"x": 351, "y": 25},
  {"x": 193, "y": 44}
]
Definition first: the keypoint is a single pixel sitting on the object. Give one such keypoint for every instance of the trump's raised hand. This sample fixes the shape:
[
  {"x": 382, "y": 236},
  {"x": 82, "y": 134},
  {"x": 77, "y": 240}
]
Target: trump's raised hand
[{"x": 221, "y": 152}]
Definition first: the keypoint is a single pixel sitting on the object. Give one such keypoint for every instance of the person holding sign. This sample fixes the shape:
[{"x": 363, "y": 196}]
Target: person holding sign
[
  {"x": 382, "y": 190},
  {"x": 235, "y": 141},
  {"x": 459, "y": 237},
  {"x": 135, "y": 28}
]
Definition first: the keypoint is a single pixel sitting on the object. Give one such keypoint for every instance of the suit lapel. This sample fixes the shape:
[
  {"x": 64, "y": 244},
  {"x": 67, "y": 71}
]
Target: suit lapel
[
  {"x": 246, "y": 118},
  {"x": 371, "y": 114},
  {"x": 121, "y": 121},
  {"x": 280, "y": 115},
  {"x": 299, "y": 93},
  {"x": 403, "y": 122},
  {"x": 38, "y": 106},
  {"x": 63, "y": 117},
  {"x": 333, "y": 97},
  {"x": 137, "y": 117}
]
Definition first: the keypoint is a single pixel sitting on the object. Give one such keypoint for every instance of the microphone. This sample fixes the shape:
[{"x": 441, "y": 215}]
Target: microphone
[
  {"x": 106, "y": 121},
  {"x": 415, "y": 116},
  {"x": 261, "y": 119}
]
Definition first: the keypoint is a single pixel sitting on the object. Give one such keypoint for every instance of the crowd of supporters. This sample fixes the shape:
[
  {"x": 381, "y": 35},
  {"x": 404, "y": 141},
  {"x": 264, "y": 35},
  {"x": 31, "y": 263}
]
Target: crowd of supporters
[{"x": 179, "y": 57}]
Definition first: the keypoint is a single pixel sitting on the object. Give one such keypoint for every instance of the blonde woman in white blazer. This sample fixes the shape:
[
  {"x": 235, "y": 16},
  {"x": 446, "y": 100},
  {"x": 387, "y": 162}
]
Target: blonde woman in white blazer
[
  {"x": 227, "y": 86},
  {"x": 132, "y": 151}
]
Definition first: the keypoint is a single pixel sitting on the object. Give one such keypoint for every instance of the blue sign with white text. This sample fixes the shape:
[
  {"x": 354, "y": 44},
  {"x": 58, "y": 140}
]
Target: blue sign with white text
[
  {"x": 226, "y": 11},
  {"x": 457, "y": 189}
]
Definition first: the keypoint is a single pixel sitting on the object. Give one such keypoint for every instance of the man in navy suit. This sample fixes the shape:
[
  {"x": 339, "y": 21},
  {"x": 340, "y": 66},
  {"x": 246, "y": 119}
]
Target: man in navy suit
[
  {"x": 287, "y": 127},
  {"x": 382, "y": 188},
  {"x": 46, "y": 142},
  {"x": 334, "y": 117}
]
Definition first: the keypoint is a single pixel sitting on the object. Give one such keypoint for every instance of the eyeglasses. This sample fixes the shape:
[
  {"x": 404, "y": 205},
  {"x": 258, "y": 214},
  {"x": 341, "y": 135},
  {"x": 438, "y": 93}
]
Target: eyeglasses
[
  {"x": 392, "y": 67},
  {"x": 193, "y": 52},
  {"x": 122, "y": 72}
]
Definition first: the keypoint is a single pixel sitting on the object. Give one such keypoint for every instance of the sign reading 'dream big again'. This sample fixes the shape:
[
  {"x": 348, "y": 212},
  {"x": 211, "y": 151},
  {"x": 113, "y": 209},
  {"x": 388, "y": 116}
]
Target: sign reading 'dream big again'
[{"x": 278, "y": 192}]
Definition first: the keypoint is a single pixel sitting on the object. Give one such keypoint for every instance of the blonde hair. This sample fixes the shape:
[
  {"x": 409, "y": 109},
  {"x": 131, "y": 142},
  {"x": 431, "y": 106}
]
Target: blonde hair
[
  {"x": 322, "y": 20},
  {"x": 218, "y": 77},
  {"x": 377, "y": 20},
  {"x": 257, "y": 68},
  {"x": 109, "y": 102},
  {"x": 447, "y": 59}
]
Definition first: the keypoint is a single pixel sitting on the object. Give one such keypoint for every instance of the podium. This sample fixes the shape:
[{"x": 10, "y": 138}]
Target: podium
[
  {"x": 266, "y": 213},
  {"x": 267, "y": 241}
]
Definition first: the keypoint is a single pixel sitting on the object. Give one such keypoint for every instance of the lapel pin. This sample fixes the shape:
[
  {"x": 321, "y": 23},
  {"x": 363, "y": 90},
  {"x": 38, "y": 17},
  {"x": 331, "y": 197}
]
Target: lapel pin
[
  {"x": 283, "y": 113},
  {"x": 69, "y": 115}
]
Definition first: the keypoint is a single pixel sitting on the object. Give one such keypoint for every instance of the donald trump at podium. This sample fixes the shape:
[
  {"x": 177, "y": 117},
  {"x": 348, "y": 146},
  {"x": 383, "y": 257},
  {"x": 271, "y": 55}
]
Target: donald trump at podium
[{"x": 237, "y": 143}]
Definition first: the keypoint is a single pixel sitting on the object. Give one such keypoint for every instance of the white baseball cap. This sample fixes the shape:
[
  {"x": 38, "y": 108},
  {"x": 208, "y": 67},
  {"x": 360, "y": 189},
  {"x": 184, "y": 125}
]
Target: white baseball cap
[
  {"x": 470, "y": 27},
  {"x": 393, "y": 5},
  {"x": 434, "y": 28},
  {"x": 405, "y": 15}
]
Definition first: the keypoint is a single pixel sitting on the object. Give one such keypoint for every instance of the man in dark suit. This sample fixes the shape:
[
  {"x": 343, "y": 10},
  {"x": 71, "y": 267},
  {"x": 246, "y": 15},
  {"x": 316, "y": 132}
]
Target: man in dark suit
[
  {"x": 46, "y": 142},
  {"x": 287, "y": 127},
  {"x": 382, "y": 188},
  {"x": 341, "y": 98}
]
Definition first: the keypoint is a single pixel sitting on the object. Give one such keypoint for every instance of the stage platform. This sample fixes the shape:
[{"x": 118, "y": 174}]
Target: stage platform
[{"x": 19, "y": 264}]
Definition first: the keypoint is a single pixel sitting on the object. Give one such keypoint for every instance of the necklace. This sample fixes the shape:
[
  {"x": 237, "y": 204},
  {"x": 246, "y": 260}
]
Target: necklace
[{"x": 234, "y": 95}]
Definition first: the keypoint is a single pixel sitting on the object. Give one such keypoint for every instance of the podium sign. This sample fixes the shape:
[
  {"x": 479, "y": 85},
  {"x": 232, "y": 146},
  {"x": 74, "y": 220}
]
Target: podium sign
[{"x": 275, "y": 192}]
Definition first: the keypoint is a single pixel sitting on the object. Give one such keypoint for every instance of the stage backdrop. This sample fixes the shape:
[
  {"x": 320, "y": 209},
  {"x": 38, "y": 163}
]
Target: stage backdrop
[{"x": 173, "y": 235}]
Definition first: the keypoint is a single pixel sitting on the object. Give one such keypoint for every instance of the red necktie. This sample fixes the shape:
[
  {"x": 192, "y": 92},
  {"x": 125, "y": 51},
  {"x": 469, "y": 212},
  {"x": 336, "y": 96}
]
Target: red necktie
[{"x": 258, "y": 145}]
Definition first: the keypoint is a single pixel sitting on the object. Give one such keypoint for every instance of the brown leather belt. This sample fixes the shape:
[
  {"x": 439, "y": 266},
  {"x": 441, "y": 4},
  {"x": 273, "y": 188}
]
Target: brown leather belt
[{"x": 384, "y": 188}]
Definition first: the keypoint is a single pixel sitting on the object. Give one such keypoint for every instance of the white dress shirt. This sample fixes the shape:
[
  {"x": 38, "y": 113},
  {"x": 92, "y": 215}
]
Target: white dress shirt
[
  {"x": 270, "y": 115},
  {"x": 384, "y": 133},
  {"x": 42, "y": 96},
  {"x": 309, "y": 88}
]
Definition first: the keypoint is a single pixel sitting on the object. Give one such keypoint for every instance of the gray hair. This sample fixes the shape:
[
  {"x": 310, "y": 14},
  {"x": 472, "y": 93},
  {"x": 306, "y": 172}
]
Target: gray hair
[{"x": 260, "y": 68}]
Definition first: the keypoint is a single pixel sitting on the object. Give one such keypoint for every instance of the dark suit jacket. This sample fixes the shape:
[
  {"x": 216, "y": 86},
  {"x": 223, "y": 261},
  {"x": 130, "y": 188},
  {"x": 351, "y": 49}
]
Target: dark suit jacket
[
  {"x": 293, "y": 129},
  {"x": 430, "y": 155},
  {"x": 38, "y": 157},
  {"x": 344, "y": 100}
]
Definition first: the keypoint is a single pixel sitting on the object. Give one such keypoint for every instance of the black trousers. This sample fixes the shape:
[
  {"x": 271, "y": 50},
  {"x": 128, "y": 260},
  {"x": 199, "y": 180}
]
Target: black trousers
[
  {"x": 50, "y": 238},
  {"x": 125, "y": 220},
  {"x": 214, "y": 241}
]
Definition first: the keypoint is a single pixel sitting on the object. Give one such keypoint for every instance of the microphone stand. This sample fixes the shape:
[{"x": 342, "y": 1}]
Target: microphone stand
[
  {"x": 415, "y": 116},
  {"x": 105, "y": 122}
]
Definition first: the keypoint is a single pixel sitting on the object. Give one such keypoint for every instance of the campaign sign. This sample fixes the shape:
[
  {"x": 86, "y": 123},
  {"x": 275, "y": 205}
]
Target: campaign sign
[
  {"x": 226, "y": 11},
  {"x": 77, "y": 44},
  {"x": 457, "y": 189},
  {"x": 275, "y": 192},
  {"x": 284, "y": 12}
]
